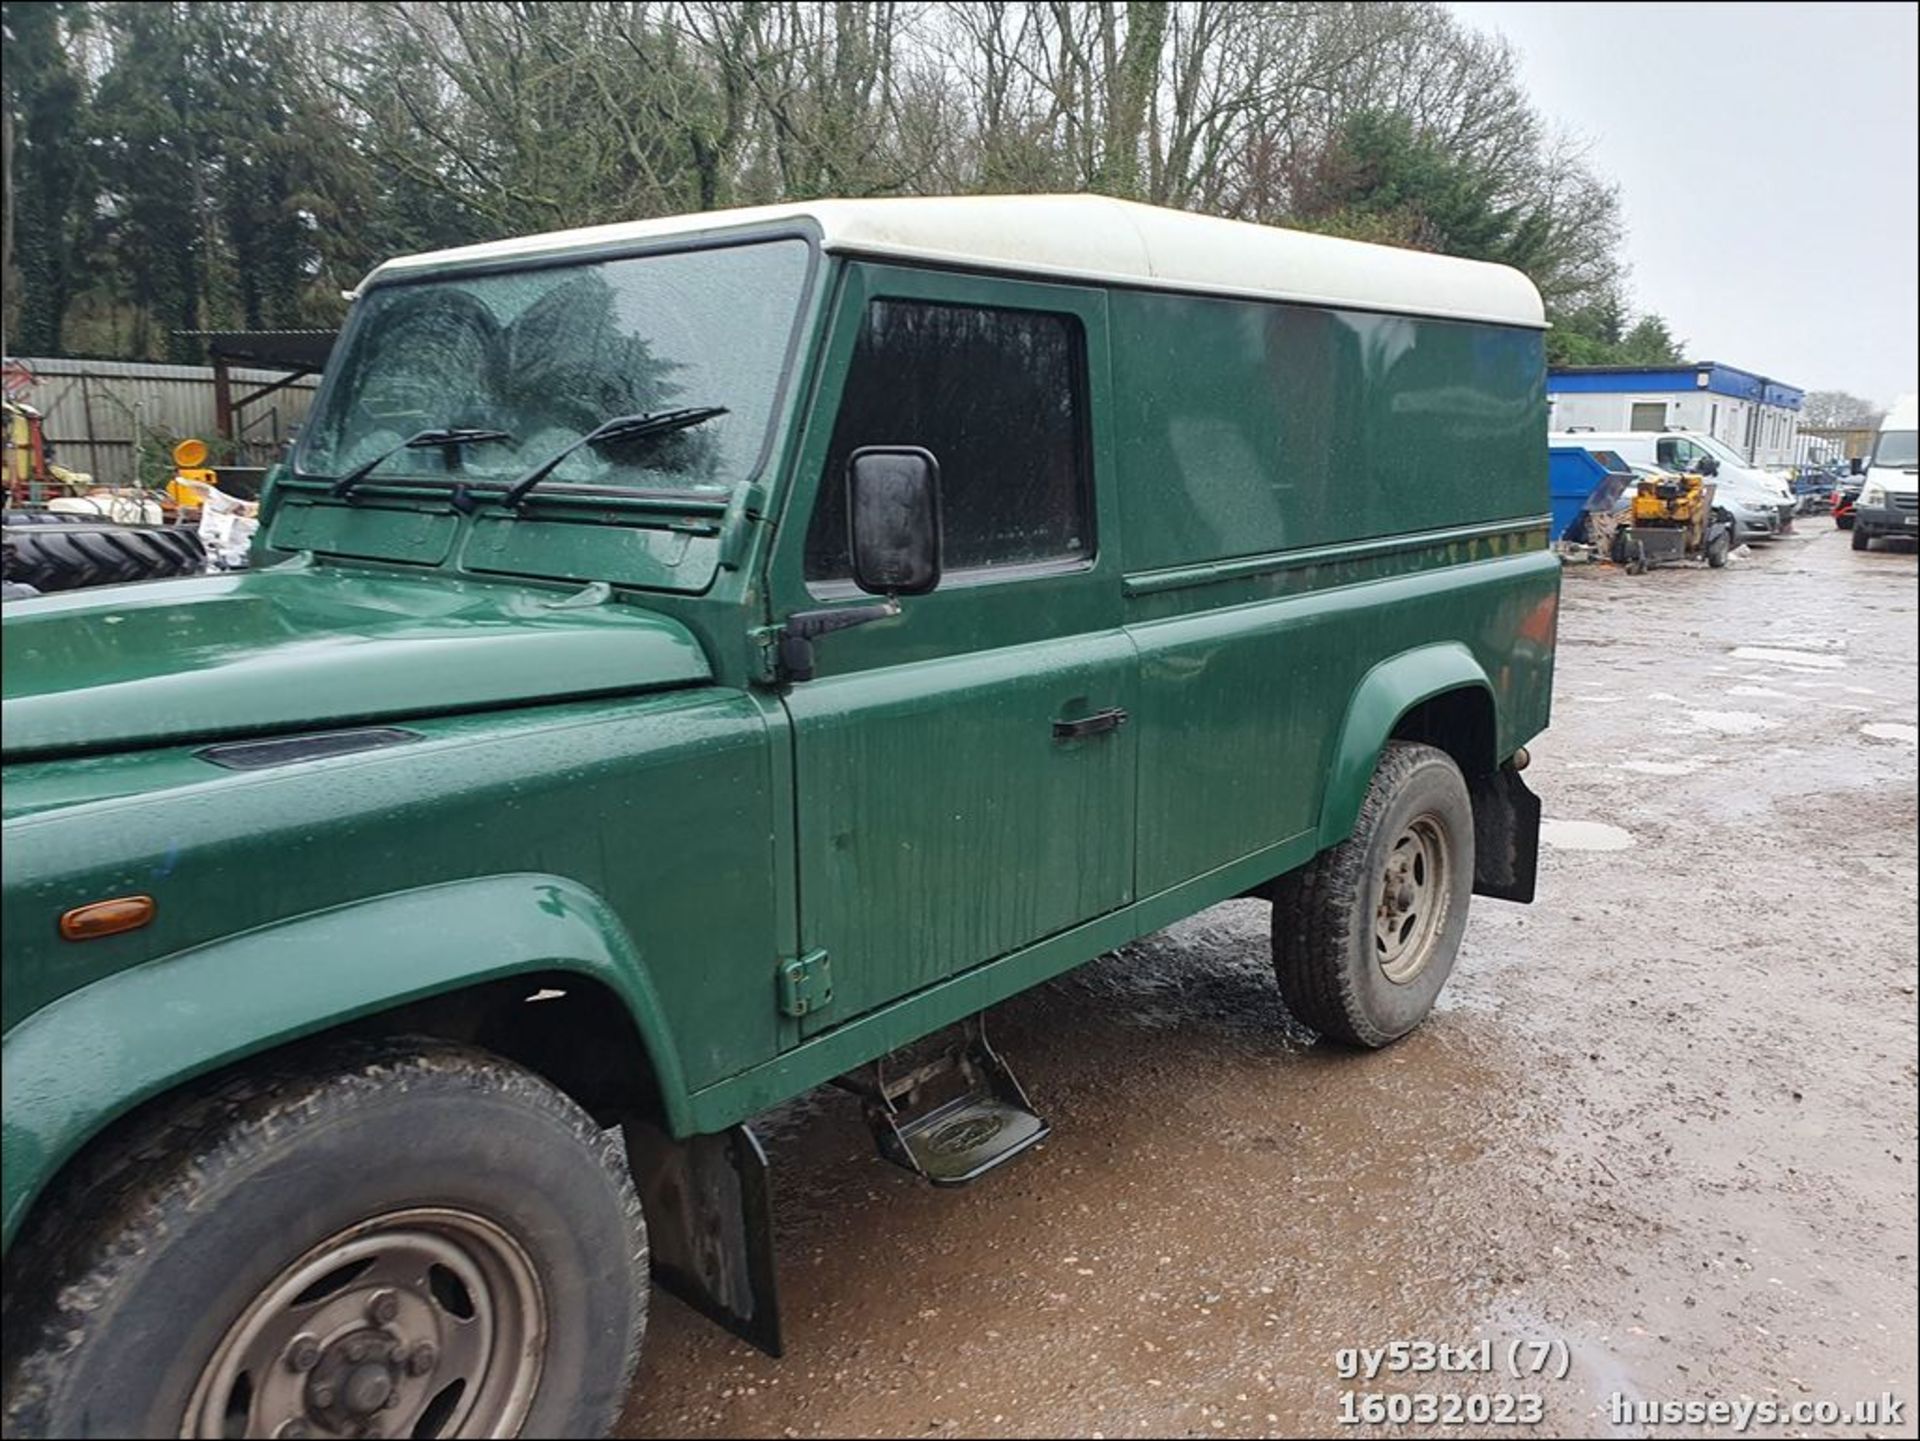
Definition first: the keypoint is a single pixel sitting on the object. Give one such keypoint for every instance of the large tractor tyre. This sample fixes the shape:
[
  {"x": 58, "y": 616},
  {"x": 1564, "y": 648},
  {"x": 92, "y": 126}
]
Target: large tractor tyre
[
  {"x": 47, "y": 517},
  {"x": 1365, "y": 934},
  {"x": 406, "y": 1238},
  {"x": 69, "y": 557}
]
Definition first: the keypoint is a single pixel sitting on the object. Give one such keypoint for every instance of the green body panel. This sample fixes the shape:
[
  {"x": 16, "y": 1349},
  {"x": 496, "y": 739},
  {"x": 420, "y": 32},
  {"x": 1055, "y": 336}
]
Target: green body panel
[
  {"x": 1263, "y": 581},
  {"x": 1306, "y": 523},
  {"x": 79, "y": 1058},
  {"x": 660, "y": 806},
  {"x": 296, "y": 647},
  {"x": 677, "y": 550},
  {"x": 1307, "y": 427},
  {"x": 1236, "y": 722}
]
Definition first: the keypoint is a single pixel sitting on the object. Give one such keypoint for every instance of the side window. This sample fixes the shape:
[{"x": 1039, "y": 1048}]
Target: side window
[
  {"x": 998, "y": 396},
  {"x": 1673, "y": 454}
]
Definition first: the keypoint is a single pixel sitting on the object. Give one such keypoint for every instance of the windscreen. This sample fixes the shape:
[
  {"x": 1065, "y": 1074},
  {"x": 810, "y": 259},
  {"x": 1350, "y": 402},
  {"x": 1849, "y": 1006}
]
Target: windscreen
[
  {"x": 1897, "y": 448},
  {"x": 547, "y": 353}
]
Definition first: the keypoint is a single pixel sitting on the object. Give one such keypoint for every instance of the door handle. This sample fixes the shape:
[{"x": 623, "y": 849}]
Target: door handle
[{"x": 1099, "y": 723}]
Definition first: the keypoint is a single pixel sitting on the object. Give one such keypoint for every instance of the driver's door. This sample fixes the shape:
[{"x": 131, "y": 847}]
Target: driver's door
[{"x": 964, "y": 773}]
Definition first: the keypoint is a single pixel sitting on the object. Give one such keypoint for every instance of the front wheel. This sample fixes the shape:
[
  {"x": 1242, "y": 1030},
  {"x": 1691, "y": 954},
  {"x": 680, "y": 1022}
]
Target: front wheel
[
  {"x": 1862, "y": 537},
  {"x": 1718, "y": 549},
  {"x": 1365, "y": 934},
  {"x": 416, "y": 1239}
]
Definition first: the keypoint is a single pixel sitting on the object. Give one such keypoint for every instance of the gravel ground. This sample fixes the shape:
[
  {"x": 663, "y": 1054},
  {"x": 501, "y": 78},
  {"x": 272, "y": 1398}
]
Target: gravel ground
[{"x": 1664, "y": 1117}]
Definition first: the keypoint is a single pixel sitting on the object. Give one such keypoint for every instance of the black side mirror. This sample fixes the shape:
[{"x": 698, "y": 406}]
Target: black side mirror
[
  {"x": 893, "y": 519},
  {"x": 1856, "y": 466}
]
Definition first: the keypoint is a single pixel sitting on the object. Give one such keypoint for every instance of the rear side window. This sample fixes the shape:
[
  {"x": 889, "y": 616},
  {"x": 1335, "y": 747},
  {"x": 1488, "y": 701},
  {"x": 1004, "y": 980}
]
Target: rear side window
[{"x": 998, "y": 396}]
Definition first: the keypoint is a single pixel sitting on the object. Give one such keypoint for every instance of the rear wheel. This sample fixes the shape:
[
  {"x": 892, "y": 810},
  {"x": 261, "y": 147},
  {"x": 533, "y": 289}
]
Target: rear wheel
[
  {"x": 1365, "y": 934},
  {"x": 417, "y": 1239}
]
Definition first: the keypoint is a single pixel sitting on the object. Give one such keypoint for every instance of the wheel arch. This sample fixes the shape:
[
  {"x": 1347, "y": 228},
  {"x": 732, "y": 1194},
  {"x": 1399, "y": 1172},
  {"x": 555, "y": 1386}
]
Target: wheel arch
[
  {"x": 463, "y": 961},
  {"x": 1437, "y": 694}
]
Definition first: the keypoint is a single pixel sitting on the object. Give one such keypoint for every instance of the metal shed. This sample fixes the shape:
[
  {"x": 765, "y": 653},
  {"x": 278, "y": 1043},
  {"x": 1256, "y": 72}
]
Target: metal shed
[{"x": 101, "y": 416}]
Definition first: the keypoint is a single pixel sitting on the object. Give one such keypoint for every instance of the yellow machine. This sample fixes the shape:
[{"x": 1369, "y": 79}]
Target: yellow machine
[{"x": 1672, "y": 519}]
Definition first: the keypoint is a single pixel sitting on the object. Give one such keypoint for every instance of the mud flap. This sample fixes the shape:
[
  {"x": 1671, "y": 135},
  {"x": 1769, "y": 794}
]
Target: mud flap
[
  {"x": 710, "y": 1226},
  {"x": 1506, "y": 836}
]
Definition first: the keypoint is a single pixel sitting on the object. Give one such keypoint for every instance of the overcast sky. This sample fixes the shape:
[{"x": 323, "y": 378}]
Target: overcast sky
[{"x": 1767, "y": 161}]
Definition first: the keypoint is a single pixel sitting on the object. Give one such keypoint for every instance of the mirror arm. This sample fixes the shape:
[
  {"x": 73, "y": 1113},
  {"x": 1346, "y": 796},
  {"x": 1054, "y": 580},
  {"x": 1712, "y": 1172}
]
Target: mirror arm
[{"x": 803, "y": 627}]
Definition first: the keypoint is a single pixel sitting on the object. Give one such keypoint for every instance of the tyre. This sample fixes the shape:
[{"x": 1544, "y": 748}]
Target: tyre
[
  {"x": 46, "y": 517},
  {"x": 1861, "y": 538},
  {"x": 1718, "y": 549},
  {"x": 1845, "y": 522},
  {"x": 70, "y": 556},
  {"x": 1365, "y": 934},
  {"x": 404, "y": 1238}
]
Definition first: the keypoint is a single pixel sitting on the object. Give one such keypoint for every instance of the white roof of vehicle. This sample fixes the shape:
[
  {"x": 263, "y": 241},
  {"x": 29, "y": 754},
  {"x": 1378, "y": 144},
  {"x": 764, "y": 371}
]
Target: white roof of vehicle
[{"x": 1095, "y": 238}]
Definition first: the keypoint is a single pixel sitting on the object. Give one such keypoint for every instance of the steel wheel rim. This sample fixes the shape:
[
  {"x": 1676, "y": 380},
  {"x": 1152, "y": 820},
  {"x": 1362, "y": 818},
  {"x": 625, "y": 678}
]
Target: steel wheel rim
[
  {"x": 424, "y": 1322},
  {"x": 1414, "y": 897}
]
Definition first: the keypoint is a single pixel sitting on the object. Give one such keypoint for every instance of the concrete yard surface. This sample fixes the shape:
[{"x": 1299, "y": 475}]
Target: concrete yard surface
[{"x": 1662, "y": 1123}]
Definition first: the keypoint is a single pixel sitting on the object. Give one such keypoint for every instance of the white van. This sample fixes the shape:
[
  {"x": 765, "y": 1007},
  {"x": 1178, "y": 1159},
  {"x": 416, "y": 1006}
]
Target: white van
[
  {"x": 1887, "y": 504},
  {"x": 1759, "y": 505}
]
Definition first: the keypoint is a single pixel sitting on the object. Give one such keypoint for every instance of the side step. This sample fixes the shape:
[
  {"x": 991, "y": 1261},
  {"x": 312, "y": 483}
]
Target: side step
[{"x": 952, "y": 1118}]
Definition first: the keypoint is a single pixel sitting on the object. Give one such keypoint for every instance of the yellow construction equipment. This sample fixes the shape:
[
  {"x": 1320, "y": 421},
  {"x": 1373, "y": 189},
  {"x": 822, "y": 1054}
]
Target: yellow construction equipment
[{"x": 1672, "y": 519}]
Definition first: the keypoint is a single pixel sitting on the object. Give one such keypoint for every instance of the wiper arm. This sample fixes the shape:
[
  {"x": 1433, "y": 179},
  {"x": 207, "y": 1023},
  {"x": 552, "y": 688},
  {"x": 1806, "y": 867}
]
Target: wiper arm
[
  {"x": 423, "y": 440},
  {"x": 621, "y": 427}
]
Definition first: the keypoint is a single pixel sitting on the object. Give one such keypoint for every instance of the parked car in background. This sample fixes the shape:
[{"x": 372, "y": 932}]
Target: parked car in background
[
  {"x": 1847, "y": 493},
  {"x": 1813, "y": 487},
  {"x": 1728, "y": 469},
  {"x": 1888, "y": 505}
]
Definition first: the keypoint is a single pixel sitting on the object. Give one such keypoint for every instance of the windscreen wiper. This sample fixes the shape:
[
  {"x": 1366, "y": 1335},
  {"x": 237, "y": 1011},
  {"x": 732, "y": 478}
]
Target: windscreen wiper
[
  {"x": 621, "y": 427},
  {"x": 423, "y": 440}
]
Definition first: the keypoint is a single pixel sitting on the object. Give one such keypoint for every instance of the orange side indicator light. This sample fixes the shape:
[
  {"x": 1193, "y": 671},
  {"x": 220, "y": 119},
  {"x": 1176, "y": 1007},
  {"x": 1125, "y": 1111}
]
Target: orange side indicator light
[{"x": 106, "y": 918}]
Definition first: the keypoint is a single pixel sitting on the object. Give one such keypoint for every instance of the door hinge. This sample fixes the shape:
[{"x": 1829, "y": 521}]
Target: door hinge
[{"x": 806, "y": 984}]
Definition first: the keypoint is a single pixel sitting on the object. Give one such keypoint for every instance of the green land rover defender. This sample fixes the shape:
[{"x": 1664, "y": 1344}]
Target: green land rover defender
[{"x": 689, "y": 662}]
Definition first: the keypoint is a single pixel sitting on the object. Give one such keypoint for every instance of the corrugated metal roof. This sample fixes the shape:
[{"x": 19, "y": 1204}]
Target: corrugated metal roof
[
  {"x": 295, "y": 349},
  {"x": 141, "y": 370}
]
